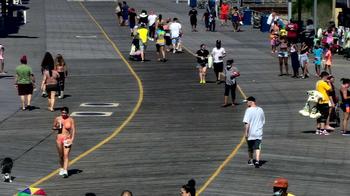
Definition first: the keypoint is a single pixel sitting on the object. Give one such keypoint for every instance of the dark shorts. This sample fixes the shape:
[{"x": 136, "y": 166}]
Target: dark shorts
[
  {"x": 158, "y": 47},
  {"x": 231, "y": 88},
  {"x": 254, "y": 145},
  {"x": 51, "y": 87},
  {"x": 218, "y": 67},
  {"x": 167, "y": 40},
  {"x": 345, "y": 107},
  {"x": 324, "y": 110},
  {"x": 131, "y": 25},
  {"x": 193, "y": 21},
  {"x": 25, "y": 89}
]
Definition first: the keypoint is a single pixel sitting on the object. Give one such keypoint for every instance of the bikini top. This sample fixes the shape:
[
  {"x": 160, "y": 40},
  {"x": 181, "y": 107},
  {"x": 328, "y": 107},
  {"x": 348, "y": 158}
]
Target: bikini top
[
  {"x": 346, "y": 101},
  {"x": 66, "y": 124},
  {"x": 283, "y": 46}
]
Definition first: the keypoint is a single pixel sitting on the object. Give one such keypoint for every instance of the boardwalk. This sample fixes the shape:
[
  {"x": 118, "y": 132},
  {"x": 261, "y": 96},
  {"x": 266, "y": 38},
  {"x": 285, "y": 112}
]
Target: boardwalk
[{"x": 180, "y": 131}]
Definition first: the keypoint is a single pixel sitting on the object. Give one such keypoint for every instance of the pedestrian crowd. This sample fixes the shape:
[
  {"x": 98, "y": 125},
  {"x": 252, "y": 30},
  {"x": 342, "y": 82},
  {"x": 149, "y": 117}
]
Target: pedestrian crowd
[
  {"x": 54, "y": 72},
  {"x": 146, "y": 27},
  {"x": 305, "y": 46}
]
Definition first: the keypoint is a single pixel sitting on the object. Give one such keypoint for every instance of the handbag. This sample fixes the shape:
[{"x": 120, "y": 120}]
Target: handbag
[
  {"x": 117, "y": 9},
  {"x": 210, "y": 61}
]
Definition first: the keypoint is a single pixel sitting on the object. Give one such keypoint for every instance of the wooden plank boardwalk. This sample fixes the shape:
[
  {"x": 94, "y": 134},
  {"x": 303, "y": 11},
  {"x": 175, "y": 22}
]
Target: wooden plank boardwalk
[{"x": 180, "y": 131}]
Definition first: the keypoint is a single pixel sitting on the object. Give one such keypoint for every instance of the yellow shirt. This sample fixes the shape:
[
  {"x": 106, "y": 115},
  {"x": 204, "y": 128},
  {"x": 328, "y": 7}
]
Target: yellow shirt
[
  {"x": 323, "y": 87},
  {"x": 143, "y": 33},
  {"x": 289, "y": 194}
]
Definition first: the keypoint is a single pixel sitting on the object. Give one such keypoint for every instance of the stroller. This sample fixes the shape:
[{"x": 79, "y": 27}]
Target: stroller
[
  {"x": 256, "y": 21},
  {"x": 202, "y": 4},
  {"x": 310, "y": 108}
]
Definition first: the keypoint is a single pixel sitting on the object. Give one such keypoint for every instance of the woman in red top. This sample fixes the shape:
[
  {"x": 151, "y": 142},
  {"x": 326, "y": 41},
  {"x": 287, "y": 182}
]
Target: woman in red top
[
  {"x": 225, "y": 8},
  {"x": 292, "y": 28}
]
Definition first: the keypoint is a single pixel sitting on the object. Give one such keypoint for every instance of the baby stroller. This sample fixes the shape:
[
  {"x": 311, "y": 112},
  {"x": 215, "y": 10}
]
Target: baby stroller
[
  {"x": 310, "y": 108},
  {"x": 256, "y": 21},
  {"x": 202, "y": 4}
]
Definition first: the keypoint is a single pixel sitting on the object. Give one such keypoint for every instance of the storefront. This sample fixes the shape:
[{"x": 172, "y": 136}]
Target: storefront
[{"x": 12, "y": 16}]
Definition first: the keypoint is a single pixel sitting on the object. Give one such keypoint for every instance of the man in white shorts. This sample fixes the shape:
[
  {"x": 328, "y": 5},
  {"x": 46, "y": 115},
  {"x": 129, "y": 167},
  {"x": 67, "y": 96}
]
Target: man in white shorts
[{"x": 175, "y": 32}]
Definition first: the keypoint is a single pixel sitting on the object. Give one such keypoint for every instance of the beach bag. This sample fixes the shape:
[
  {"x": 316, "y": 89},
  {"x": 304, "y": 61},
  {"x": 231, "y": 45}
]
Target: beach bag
[
  {"x": 117, "y": 9},
  {"x": 132, "y": 49},
  {"x": 210, "y": 61}
]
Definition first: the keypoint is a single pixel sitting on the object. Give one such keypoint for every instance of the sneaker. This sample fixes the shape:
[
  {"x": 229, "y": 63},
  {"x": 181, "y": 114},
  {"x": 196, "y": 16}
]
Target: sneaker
[
  {"x": 346, "y": 133},
  {"x": 61, "y": 172},
  {"x": 174, "y": 51},
  {"x": 7, "y": 177},
  {"x": 204, "y": 82},
  {"x": 250, "y": 162},
  {"x": 318, "y": 132},
  {"x": 65, "y": 174},
  {"x": 257, "y": 164},
  {"x": 325, "y": 133}
]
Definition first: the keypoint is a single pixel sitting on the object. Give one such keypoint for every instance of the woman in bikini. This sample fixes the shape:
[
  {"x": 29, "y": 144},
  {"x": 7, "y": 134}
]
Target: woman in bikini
[
  {"x": 65, "y": 126},
  {"x": 283, "y": 56}
]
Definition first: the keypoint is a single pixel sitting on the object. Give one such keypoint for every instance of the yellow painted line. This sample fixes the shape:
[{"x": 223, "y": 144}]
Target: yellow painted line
[
  {"x": 125, "y": 122},
  {"x": 230, "y": 156}
]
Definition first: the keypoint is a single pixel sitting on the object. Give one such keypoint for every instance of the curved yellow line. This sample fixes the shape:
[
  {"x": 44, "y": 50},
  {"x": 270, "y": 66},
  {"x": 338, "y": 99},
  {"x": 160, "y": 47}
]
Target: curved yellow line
[
  {"x": 231, "y": 155},
  {"x": 126, "y": 121}
]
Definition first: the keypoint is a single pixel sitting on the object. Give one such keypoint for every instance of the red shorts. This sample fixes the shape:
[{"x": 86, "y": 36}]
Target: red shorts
[{"x": 224, "y": 16}]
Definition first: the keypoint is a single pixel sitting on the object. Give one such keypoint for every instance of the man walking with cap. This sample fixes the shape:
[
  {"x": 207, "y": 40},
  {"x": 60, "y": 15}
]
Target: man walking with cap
[
  {"x": 254, "y": 120},
  {"x": 280, "y": 186}
]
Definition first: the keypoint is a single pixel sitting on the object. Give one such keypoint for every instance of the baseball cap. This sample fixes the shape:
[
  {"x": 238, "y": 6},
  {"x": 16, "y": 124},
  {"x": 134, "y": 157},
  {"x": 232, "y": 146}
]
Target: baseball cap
[
  {"x": 250, "y": 98},
  {"x": 280, "y": 183}
]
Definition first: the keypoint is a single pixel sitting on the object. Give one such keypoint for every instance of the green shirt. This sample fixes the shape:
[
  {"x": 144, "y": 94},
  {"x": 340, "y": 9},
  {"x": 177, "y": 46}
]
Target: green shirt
[{"x": 23, "y": 73}]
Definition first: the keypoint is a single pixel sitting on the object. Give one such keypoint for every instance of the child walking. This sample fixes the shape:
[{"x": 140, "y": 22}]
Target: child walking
[
  {"x": 318, "y": 51},
  {"x": 328, "y": 59}
]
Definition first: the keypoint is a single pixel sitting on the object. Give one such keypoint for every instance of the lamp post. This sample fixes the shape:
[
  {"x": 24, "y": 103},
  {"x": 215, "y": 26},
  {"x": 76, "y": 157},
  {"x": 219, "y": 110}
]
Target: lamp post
[
  {"x": 299, "y": 12},
  {"x": 333, "y": 10},
  {"x": 289, "y": 9},
  {"x": 315, "y": 15}
]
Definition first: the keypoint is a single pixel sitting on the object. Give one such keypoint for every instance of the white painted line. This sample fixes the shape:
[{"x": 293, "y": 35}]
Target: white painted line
[
  {"x": 99, "y": 105},
  {"x": 86, "y": 36},
  {"x": 92, "y": 0},
  {"x": 91, "y": 113}
]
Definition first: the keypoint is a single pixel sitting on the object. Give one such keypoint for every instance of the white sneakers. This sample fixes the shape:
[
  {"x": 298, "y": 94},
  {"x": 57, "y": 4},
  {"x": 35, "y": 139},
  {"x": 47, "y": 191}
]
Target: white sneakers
[{"x": 63, "y": 173}]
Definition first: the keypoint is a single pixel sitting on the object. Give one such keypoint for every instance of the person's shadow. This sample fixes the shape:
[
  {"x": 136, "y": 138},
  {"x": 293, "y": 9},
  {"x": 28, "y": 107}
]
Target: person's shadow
[
  {"x": 74, "y": 172},
  {"x": 90, "y": 194}
]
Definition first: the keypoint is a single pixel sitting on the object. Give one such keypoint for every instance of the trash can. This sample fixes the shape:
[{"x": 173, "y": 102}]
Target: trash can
[
  {"x": 2, "y": 26},
  {"x": 193, "y": 3},
  {"x": 264, "y": 26},
  {"x": 247, "y": 17}
]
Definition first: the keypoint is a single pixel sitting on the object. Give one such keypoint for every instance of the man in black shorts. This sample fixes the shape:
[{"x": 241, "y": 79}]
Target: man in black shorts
[
  {"x": 323, "y": 86},
  {"x": 193, "y": 19}
]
